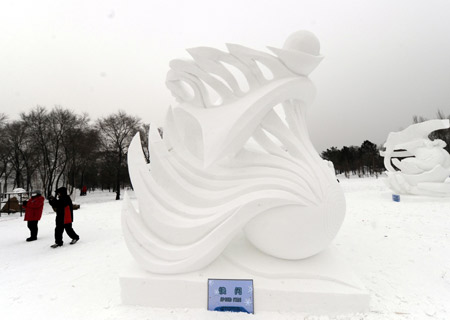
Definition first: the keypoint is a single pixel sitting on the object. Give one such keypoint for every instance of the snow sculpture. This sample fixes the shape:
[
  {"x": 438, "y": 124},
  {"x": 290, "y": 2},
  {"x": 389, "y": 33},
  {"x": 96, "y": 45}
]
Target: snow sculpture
[
  {"x": 415, "y": 164},
  {"x": 229, "y": 164}
]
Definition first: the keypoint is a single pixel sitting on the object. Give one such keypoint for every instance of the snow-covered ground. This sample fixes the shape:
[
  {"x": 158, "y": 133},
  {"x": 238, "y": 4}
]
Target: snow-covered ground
[{"x": 400, "y": 250}]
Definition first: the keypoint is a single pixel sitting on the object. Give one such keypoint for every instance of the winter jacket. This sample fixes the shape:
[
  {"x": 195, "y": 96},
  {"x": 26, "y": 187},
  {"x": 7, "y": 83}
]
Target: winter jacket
[
  {"x": 63, "y": 206},
  {"x": 33, "y": 208}
]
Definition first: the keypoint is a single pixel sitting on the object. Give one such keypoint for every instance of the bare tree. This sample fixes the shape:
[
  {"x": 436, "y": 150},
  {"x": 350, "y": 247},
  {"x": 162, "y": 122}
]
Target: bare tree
[
  {"x": 38, "y": 122},
  {"x": 5, "y": 156},
  {"x": 81, "y": 147},
  {"x": 50, "y": 132},
  {"x": 15, "y": 138},
  {"x": 116, "y": 132},
  {"x": 3, "y": 118},
  {"x": 144, "y": 131}
]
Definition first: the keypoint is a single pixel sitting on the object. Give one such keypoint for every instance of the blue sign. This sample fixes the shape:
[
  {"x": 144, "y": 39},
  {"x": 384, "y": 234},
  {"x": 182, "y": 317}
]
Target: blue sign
[
  {"x": 396, "y": 197},
  {"x": 230, "y": 295}
]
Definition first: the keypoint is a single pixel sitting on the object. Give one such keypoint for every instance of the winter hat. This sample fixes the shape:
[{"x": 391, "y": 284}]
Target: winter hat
[
  {"x": 62, "y": 191},
  {"x": 37, "y": 192}
]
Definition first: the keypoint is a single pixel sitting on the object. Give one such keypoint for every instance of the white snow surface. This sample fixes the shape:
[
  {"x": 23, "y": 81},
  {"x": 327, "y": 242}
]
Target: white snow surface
[{"x": 400, "y": 251}]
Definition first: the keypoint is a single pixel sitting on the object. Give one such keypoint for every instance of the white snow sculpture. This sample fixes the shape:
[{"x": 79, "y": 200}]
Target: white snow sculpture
[
  {"x": 231, "y": 164},
  {"x": 424, "y": 165}
]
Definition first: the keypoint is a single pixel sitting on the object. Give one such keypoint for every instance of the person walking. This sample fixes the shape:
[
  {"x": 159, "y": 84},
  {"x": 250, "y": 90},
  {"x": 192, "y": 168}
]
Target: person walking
[
  {"x": 33, "y": 213},
  {"x": 64, "y": 217}
]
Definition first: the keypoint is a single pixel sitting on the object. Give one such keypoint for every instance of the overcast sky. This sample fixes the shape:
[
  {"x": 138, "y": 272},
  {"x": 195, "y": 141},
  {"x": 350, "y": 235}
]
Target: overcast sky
[{"x": 385, "y": 60}]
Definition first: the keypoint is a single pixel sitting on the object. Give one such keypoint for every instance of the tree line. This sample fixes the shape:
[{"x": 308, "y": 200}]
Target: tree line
[
  {"x": 49, "y": 148},
  {"x": 365, "y": 160}
]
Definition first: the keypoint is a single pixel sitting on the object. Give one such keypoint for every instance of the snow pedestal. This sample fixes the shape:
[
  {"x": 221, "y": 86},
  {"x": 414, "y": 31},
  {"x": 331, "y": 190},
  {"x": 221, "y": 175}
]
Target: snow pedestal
[{"x": 322, "y": 284}]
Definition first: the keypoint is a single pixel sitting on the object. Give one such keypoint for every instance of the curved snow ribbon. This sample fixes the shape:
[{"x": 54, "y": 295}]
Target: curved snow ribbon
[{"x": 222, "y": 165}]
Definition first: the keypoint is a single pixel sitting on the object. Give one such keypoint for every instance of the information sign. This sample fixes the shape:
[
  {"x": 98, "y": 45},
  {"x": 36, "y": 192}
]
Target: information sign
[{"x": 230, "y": 295}]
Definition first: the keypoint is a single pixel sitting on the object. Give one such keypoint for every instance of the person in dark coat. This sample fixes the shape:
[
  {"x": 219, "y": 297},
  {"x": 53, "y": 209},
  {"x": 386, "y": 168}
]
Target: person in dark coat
[
  {"x": 64, "y": 217},
  {"x": 33, "y": 213}
]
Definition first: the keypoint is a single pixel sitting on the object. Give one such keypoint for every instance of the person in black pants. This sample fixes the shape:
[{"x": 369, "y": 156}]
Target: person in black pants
[
  {"x": 33, "y": 213},
  {"x": 64, "y": 217}
]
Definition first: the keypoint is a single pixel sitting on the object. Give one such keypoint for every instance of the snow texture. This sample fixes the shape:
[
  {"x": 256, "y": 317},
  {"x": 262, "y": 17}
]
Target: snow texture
[
  {"x": 205, "y": 185},
  {"x": 427, "y": 164},
  {"x": 398, "y": 249}
]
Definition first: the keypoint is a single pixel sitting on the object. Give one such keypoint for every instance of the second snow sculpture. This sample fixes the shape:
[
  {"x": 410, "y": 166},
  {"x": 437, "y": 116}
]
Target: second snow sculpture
[
  {"x": 229, "y": 163},
  {"x": 415, "y": 164}
]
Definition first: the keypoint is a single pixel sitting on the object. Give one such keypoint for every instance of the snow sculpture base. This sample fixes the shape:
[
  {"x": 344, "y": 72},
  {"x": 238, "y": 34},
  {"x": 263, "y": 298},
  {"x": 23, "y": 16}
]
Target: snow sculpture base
[{"x": 321, "y": 284}]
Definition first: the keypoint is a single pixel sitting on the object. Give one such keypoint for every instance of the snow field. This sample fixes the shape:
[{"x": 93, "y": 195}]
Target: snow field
[{"x": 400, "y": 251}]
